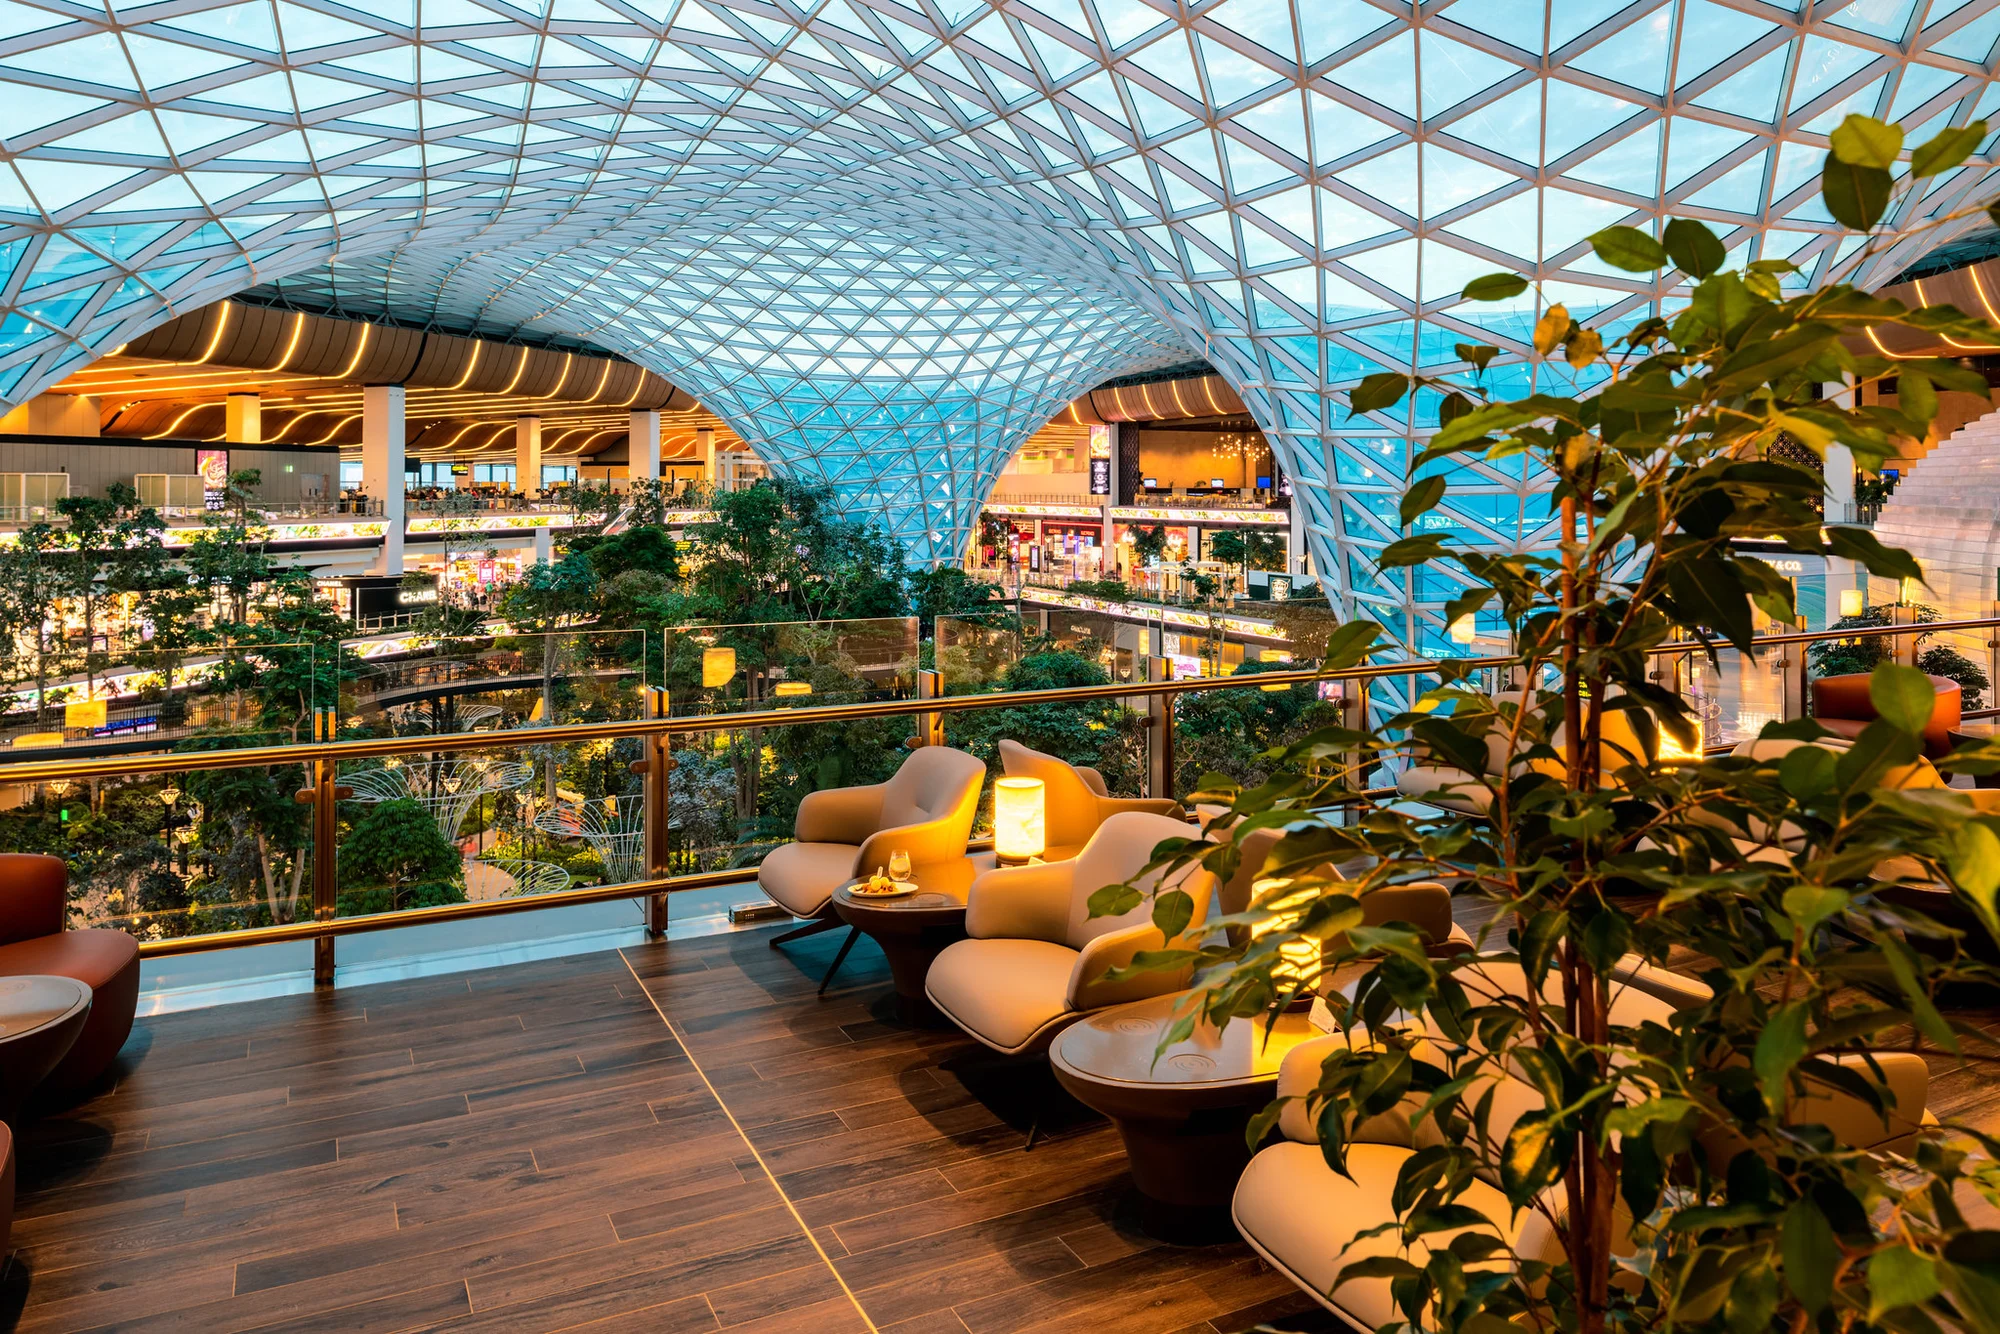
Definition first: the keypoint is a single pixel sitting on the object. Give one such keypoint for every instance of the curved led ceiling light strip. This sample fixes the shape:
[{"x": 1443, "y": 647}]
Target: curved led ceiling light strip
[{"x": 886, "y": 240}]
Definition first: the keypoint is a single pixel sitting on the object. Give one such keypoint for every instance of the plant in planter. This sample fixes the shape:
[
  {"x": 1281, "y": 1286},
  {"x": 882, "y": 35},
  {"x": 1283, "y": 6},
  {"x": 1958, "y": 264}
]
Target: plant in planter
[
  {"x": 1840, "y": 657},
  {"x": 1576, "y": 1159}
]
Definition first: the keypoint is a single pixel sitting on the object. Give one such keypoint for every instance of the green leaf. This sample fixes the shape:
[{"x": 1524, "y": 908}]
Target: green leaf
[
  {"x": 1811, "y": 1253},
  {"x": 1705, "y": 1282},
  {"x": 1974, "y": 1292},
  {"x": 1916, "y": 398},
  {"x": 1172, "y": 911},
  {"x": 1476, "y": 353},
  {"x": 1753, "y": 1300},
  {"x": 1350, "y": 643},
  {"x": 1902, "y": 961},
  {"x": 1856, "y": 196},
  {"x": 1779, "y": 1047},
  {"x": 1902, "y": 696},
  {"x": 1632, "y": 1119},
  {"x": 1114, "y": 901},
  {"x": 1262, "y": 1123},
  {"x": 1411, "y": 551},
  {"x": 1421, "y": 498},
  {"x": 1862, "y": 141},
  {"x": 1694, "y": 249},
  {"x": 1899, "y": 1277},
  {"x": 1539, "y": 940},
  {"x": 1859, "y": 544},
  {"x": 1495, "y": 287},
  {"x": 1641, "y": 1175},
  {"x": 1376, "y": 1266},
  {"x": 1529, "y": 1160},
  {"x": 1974, "y": 857},
  {"x": 1809, "y": 905},
  {"x": 1947, "y": 150},
  {"x": 1708, "y": 592},
  {"x": 1629, "y": 248},
  {"x": 1607, "y": 935},
  {"x": 1806, "y": 771},
  {"x": 1384, "y": 389},
  {"x": 1467, "y": 603}
]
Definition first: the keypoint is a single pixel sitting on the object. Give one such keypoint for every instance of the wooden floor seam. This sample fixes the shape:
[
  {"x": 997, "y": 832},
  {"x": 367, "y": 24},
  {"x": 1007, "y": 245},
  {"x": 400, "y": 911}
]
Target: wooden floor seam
[{"x": 769, "y": 1175}]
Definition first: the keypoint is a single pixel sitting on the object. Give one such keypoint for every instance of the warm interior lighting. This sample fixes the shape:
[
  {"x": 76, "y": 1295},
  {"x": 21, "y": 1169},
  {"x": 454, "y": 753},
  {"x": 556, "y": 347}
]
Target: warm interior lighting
[
  {"x": 1298, "y": 960},
  {"x": 1279, "y": 688},
  {"x": 1910, "y": 589},
  {"x": 784, "y": 689},
  {"x": 1464, "y": 630},
  {"x": 1019, "y": 834},
  {"x": 718, "y": 665},
  {"x": 1671, "y": 749},
  {"x": 85, "y": 713},
  {"x": 1852, "y": 603}
]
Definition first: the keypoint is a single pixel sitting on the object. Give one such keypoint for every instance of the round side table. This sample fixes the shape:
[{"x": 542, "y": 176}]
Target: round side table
[
  {"x": 40, "y": 1018},
  {"x": 914, "y": 930},
  {"x": 1182, "y": 1115}
]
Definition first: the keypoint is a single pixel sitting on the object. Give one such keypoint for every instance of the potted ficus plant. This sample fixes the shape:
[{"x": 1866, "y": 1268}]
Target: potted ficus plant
[{"x": 1681, "y": 1167}]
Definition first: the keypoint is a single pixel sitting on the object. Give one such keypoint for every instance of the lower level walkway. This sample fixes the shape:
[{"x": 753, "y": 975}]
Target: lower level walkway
[{"x": 676, "y": 1136}]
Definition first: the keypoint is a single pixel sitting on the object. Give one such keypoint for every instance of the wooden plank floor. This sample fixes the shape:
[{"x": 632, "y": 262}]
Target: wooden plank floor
[{"x": 532, "y": 1149}]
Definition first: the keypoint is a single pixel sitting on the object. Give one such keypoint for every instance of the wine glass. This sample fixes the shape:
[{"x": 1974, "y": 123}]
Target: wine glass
[{"x": 899, "y": 865}]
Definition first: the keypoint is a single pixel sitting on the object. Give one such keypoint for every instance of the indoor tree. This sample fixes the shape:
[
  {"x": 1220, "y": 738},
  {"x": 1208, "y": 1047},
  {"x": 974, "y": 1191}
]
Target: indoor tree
[{"x": 1756, "y": 871}]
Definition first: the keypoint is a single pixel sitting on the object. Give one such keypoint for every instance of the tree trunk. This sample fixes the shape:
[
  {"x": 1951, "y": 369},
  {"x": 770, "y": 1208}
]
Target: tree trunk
[{"x": 270, "y": 880}]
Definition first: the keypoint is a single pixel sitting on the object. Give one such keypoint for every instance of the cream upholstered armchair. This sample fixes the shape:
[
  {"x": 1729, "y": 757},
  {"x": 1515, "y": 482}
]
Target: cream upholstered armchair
[
  {"x": 1075, "y": 800},
  {"x": 1306, "y": 1219},
  {"x": 927, "y": 809},
  {"x": 1036, "y": 958}
]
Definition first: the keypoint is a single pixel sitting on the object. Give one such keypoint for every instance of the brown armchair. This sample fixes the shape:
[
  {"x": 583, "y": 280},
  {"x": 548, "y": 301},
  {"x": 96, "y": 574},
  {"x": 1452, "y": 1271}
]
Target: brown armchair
[
  {"x": 1841, "y": 705},
  {"x": 34, "y": 903},
  {"x": 1075, "y": 799}
]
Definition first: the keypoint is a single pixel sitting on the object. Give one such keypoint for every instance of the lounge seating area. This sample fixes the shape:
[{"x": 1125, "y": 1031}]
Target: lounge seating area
[{"x": 974, "y": 1122}]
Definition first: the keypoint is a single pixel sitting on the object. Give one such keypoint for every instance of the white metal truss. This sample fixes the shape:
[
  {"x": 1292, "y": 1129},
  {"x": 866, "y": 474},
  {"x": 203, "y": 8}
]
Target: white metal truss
[
  {"x": 613, "y": 827},
  {"x": 446, "y": 789},
  {"x": 884, "y": 238}
]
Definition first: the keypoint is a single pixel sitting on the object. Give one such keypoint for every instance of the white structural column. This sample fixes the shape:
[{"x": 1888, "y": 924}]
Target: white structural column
[
  {"x": 704, "y": 441},
  {"x": 383, "y": 437},
  {"x": 528, "y": 455},
  {"x": 642, "y": 446},
  {"x": 545, "y": 546},
  {"x": 1842, "y": 576},
  {"x": 244, "y": 419}
]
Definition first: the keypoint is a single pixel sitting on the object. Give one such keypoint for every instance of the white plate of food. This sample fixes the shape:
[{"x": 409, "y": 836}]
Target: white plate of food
[{"x": 881, "y": 887}]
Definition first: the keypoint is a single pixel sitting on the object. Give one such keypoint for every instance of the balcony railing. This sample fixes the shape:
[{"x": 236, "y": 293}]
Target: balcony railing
[{"x": 612, "y": 807}]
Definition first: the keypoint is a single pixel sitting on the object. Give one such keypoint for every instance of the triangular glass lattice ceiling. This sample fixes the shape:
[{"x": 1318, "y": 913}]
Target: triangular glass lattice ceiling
[{"x": 886, "y": 239}]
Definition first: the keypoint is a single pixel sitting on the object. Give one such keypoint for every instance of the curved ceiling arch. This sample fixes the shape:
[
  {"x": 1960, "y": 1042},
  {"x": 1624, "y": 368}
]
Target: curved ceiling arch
[{"x": 1296, "y": 189}]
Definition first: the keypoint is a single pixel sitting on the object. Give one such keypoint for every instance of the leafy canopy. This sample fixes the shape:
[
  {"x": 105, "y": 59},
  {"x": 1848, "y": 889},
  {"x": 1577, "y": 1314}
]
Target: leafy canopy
[{"x": 1705, "y": 1160}]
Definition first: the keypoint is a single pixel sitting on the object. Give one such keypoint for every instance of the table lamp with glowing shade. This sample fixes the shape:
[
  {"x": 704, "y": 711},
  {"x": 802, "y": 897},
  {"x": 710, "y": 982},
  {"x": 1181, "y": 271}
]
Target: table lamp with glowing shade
[
  {"x": 718, "y": 665},
  {"x": 1299, "y": 960},
  {"x": 1019, "y": 830},
  {"x": 1853, "y": 602}
]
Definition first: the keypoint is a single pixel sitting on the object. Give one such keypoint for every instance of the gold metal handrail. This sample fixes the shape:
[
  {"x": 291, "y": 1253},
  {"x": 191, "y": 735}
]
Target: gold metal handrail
[
  {"x": 111, "y": 766},
  {"x": 322, "y": 759}
]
